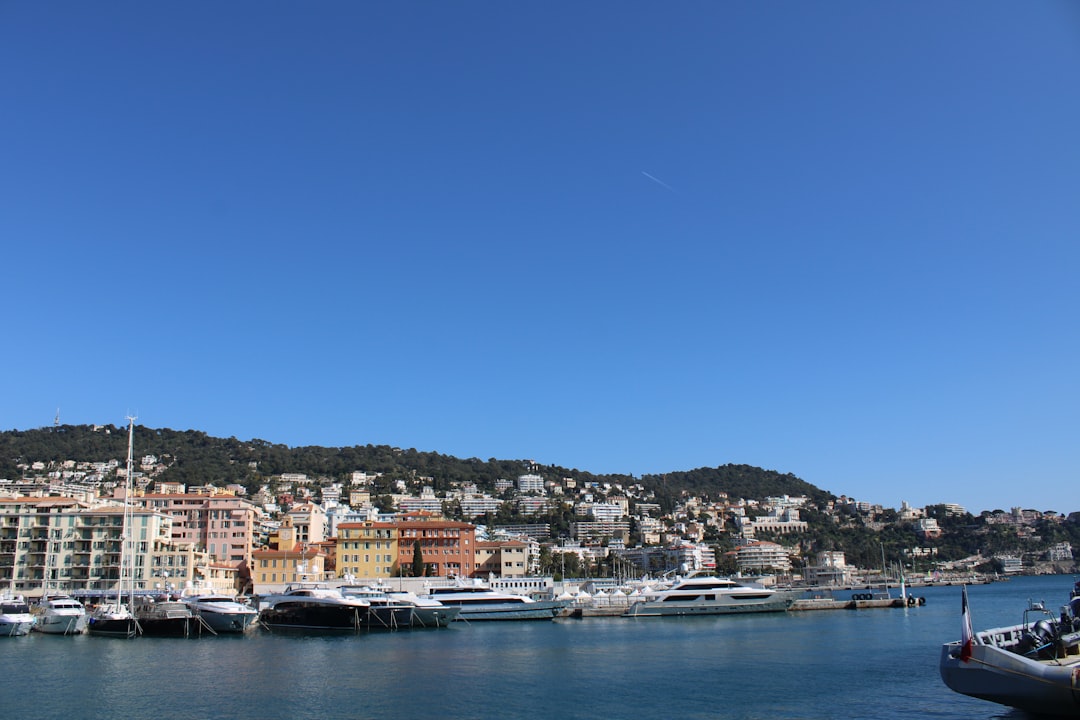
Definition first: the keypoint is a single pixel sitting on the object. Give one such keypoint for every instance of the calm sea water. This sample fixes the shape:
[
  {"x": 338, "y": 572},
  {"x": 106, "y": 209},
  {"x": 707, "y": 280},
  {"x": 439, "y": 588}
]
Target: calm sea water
[{"x": 879, "y": 663}]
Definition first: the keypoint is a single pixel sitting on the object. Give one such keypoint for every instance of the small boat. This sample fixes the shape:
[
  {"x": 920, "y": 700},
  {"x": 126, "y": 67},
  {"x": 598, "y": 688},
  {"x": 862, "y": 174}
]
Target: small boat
[
  {"x": 711, "y": 595},
  {"x": 221, "y": 613},
  {"x": 426, "y": 612},
  {"x": 479, "y": 602},
  {"x": 60, "y": 615},
  {"x": 15, "y": 617},
  {"x": 112, "y": 620},
  {"x": 1033, "y": 666},
  {"x": 164, "y": 617},
  {"x": 311, "y": 606}
]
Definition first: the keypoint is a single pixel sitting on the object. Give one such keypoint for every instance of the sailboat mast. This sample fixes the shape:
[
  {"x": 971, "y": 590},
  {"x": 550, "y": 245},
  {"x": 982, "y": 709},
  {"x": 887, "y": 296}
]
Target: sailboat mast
[{"x": 128, "y": 513}]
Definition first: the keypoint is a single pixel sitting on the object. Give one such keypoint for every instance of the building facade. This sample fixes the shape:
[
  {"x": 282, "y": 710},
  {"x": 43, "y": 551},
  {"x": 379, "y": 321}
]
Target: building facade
[{"x": 367, "y": 549}]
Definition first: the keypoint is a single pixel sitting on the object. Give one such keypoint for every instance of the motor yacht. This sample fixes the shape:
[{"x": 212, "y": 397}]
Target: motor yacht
[
  {"x": 60, "y": 615},
  {"x": 310, "y": 606},
  {"x": 711, "y": 595},
  {"x": 479, "y": 602},
  {"x": 220, "y": 612}
]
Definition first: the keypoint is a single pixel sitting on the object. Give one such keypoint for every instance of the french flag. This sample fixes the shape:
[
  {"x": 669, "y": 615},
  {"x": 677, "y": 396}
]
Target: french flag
[{"x": 967, "y": 637}]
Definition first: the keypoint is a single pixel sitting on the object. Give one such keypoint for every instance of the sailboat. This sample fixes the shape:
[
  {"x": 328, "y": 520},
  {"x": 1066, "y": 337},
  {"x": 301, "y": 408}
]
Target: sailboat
[{"x": 114, "y": 619}]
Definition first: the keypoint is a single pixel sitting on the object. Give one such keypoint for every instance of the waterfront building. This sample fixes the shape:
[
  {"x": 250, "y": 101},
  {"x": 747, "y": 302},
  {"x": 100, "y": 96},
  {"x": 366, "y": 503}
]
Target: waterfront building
[
  {"x": 1059, "y": 551},
  {"x": 219, "y": 523},
  {"x": 502, "y": 558},
  {"x": 367, "y": 549},
  {"x": 62, "y": 544},
  {"x": 448, "y": 547},
  {"x": 288, "y": 562},
  {"x": 761, "y": 556},
  {"x": 830, "y": 568}
]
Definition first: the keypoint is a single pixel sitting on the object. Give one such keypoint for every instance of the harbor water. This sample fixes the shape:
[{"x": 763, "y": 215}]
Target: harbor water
[{"x": 871, "y": 663}]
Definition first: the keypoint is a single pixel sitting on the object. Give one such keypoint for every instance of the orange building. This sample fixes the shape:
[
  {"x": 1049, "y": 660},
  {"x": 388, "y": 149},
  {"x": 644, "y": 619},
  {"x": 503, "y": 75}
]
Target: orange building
[{"x": 448, "y": 547}]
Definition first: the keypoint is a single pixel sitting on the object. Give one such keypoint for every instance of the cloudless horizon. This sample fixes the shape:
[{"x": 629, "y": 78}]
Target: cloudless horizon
[{"x": 836, "y": 239}]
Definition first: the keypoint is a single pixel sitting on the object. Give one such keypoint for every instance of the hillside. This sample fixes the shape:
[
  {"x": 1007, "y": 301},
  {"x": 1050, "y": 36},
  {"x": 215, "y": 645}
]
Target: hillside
[{"x": 193, "y": 457}]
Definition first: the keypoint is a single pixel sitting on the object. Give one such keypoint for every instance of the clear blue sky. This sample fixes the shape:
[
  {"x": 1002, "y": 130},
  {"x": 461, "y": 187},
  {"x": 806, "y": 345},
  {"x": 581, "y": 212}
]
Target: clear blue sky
[{"x": 836, "y": 239}]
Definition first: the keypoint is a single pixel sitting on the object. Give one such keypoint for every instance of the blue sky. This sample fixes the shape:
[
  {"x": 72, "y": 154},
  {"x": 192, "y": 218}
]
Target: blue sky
[{"x": 834, "y": 239}]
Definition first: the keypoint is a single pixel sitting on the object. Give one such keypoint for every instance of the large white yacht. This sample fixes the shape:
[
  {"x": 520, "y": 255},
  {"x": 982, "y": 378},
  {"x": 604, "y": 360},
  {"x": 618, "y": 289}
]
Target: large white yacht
[
  {"x": 711, "y": 595},
  {"x": 479, "y": 602},
  {"x": 60, "y": 615}
]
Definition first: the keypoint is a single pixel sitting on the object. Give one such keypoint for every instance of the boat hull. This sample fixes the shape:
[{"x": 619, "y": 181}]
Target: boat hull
[
  {"x": 15, "y": 627},
  {"x": 540, "y": 610},
  {"x": 166, "y": 627},
  {"x": 226, "y": 622},
  {"x": 113, "y": 627},
  {"x": 1003, "y": 677},
  {"x": 61, "y": 624},
  {"x": 310, "y": 616},
  {"x": 430, "y": 617}
]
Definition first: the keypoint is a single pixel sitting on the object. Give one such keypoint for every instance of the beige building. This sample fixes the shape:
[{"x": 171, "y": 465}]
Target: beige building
[
  {"x": 367, "y": 549},
  {"x": 61, "y": 544},
  {"x": 507, "y": 559}
]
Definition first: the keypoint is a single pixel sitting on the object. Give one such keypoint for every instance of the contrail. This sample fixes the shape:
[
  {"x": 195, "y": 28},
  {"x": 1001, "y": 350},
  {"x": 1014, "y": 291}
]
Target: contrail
[{"x": 658, "y": 181}]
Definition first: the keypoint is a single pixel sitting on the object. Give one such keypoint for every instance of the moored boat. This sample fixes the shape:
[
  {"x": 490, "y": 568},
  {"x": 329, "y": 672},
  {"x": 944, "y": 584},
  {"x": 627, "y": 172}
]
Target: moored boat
[
  {"x": 163, "y": 617},
  {"x": 1033, "y": 666},
  {"x": 312, "y": 607},
  {"x": 58, "y": 614},
  {"x": 711, "y": 595},
  {"x": 15, "y": 617},
  {"x": 479, "y": 602},
  {"x": 221, "y": 613},
  {"x": 112, "y": 620}
]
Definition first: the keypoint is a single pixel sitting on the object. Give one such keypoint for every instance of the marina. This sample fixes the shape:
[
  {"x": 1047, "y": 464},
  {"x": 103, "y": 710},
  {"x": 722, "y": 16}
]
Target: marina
[{"x": 880, "y": 664}]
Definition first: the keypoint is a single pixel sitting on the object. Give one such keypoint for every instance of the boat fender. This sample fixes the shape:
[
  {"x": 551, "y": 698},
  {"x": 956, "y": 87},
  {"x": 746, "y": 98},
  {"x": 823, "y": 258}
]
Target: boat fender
[
  {"x": 922, "y": 601},
  {"x": 911, "y": 601}
]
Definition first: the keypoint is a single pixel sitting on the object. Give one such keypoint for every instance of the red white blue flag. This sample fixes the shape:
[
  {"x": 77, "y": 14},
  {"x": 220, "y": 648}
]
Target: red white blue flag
[{"x": 967, "y": 637}]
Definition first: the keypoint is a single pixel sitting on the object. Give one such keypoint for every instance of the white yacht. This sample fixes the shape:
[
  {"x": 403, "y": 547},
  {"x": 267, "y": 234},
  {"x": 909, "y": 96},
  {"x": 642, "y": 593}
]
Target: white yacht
[
  {"x": 60, "y": 615},
  {"x": 480, "y": 602},
  {"x": 15, "y": 617},
  {"x": 711, "y": 595},
  {"x": 220, "y": 612}
]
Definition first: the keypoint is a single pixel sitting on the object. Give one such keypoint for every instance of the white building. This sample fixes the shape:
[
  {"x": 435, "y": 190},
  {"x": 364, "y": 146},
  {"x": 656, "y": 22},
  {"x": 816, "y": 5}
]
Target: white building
[{"x": 530, "y": 483}]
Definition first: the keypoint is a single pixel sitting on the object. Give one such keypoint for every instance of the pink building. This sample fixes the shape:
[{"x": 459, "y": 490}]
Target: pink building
[{"x": 223, "y": 525}]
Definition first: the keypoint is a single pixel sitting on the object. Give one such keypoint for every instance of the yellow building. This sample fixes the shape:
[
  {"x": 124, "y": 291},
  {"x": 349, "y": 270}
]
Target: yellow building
[{"x": 367, "y": 549}]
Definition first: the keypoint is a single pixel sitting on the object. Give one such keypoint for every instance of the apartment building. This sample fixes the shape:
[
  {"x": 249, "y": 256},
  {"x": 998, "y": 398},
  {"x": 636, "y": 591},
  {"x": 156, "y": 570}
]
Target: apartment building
[
  {"x": 367, "y": 549},
  {"x": 62, "y": 544}
]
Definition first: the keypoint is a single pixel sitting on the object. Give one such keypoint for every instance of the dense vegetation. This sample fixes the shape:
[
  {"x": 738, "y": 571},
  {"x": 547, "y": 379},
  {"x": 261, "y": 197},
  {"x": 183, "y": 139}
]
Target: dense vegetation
[{"x": 195, "y": 458}]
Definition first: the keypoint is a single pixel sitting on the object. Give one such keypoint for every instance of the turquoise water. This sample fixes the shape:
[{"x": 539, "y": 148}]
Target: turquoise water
[{"x": 879, "y": 663}]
